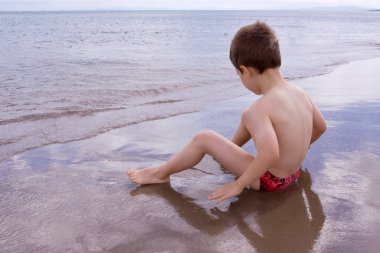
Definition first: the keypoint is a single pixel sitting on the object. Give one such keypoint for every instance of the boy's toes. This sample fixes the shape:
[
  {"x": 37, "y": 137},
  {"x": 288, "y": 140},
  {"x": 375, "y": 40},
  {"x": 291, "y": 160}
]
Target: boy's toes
[{"x": 132, "y": 175}]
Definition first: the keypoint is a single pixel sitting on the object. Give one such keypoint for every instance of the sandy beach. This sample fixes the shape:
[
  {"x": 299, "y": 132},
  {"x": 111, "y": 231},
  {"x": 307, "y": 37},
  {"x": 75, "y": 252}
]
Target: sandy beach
[{"x": 75, "y": 196}]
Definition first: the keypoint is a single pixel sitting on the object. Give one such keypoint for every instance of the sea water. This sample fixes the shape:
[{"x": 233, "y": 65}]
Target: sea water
[{"x": 72, "y": 75}]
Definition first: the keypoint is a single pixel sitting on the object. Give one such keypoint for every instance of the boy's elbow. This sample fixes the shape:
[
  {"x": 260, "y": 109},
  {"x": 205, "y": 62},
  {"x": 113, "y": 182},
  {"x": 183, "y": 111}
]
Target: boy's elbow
[
  {"x": 272, "y": 155},
  {"x": 323, "y": 127},
  {"x": 320, "y": 127}
]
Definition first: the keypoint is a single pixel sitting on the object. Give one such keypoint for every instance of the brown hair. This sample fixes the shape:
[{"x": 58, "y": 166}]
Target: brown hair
[{"x": 255, "y": 46}]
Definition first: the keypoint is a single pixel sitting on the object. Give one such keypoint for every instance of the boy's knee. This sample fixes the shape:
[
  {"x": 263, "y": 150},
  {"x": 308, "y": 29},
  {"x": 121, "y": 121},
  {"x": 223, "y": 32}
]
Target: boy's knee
[{"x": 204, "y": 136}]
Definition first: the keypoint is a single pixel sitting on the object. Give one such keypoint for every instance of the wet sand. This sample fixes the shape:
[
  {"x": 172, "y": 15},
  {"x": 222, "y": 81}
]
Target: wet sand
[{"x": 75, "y": 197}]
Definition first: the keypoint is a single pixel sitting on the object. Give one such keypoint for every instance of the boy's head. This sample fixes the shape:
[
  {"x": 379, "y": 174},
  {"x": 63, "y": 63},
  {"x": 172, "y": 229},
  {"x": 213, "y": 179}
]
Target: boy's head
[{"x": 255, "y": 46}]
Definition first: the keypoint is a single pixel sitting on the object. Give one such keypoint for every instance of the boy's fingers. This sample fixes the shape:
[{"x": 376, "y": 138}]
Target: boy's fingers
[
  {"x": 217, "y": 197},
  {"x": 216, "y": 194},
  {"x": 213, "y": 196},
  {"x": 218, "y": 200}
]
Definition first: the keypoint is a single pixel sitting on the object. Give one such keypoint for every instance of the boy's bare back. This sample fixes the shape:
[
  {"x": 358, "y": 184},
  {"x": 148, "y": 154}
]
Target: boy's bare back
[{"x": 291, "y": 115}]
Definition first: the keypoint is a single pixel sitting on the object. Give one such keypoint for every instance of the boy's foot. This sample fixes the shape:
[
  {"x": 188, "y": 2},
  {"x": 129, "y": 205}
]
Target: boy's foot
[{"x": 146, "y": 176}]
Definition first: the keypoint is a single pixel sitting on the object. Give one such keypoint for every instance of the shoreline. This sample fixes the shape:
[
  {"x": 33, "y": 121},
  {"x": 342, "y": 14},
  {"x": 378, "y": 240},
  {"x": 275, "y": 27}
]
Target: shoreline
[
  {"x": 311, "y": 84},
  {"x": 81, "y": 200},
  {"x": 328, "y": 10},
  {"x": 8, "y": 154}
]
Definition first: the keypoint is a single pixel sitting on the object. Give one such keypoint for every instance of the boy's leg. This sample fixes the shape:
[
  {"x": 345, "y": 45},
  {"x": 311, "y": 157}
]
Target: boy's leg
[{"x": 229, "y": 155}]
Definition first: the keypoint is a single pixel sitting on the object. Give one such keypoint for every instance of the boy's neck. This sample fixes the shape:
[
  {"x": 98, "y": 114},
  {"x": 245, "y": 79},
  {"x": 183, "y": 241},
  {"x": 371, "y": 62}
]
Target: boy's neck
[{"x": 270, "y": 79}]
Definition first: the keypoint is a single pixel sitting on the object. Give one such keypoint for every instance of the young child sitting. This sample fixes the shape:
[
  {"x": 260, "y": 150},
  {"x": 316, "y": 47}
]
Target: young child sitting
[{"x": 283, "y": 123}]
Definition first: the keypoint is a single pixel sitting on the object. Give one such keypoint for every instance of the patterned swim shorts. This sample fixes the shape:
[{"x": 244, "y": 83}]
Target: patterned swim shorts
[{"x": 270, "y": 183}]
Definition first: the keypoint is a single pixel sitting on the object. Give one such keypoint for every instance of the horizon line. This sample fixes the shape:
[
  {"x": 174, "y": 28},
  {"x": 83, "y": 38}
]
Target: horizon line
[{"x": 337, "y": 8}]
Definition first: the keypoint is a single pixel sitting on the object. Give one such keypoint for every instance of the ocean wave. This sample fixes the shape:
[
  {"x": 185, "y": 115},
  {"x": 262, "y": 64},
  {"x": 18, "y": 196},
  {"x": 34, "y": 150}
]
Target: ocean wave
[
  {"x": 170, "y": 101},
  {"x": 53, "y": 115},
  {"x": 87, "y": 62}
]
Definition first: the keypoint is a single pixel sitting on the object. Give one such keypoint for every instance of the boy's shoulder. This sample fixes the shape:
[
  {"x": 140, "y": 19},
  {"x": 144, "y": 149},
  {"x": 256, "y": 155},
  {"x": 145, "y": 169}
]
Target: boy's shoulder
[
  {"x": 271, "y": 103},
  {"x": 257, "y": 110},
  {"x": 261, "y": 105},
  {"x": 258, "y": 118}
]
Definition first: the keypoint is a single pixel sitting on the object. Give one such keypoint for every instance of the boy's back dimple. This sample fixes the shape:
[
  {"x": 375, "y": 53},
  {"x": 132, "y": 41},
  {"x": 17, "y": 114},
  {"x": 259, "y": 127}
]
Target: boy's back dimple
[{"x": 291, "y": 113}]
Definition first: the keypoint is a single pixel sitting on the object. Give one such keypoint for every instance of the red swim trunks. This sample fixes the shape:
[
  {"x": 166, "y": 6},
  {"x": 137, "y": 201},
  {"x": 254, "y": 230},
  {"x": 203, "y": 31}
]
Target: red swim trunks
[{"x": 270, "y": 183}]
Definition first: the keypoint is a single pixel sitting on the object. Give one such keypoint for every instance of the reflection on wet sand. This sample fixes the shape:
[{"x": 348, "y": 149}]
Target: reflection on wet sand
[{"x": 286, "y": 221}]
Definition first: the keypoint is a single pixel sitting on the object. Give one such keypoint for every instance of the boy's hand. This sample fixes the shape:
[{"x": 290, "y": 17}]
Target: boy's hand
[{"x": 226, "y": 191}]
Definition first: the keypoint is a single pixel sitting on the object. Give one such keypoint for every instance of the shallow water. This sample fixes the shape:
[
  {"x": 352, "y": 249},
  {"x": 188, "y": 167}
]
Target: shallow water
[
  {"x": 73, "y": 75},
  {"x": 75, "y": 197}
]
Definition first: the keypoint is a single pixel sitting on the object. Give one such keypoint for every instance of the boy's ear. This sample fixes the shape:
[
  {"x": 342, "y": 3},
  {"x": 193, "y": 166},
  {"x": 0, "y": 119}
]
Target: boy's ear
[
  {"x": 249, "y": 71},
  {"x": 245, "y": 71}
]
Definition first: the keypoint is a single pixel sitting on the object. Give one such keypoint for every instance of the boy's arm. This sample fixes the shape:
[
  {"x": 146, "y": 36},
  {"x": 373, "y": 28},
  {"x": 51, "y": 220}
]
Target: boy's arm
[
  {"x": 260, "y": 126},
  {"x": 319, "y": 123},
  {"x": 267, "y": 148},
  {"x": 242, "y": 135}
]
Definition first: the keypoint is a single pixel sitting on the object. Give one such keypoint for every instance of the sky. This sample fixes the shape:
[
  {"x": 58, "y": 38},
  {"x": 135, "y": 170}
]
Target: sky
[{"x": 51, "y": 5}]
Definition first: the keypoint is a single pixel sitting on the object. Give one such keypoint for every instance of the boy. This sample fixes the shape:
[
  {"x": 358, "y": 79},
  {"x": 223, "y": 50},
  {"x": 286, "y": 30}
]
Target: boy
[{"x": 283, "y": 124}]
